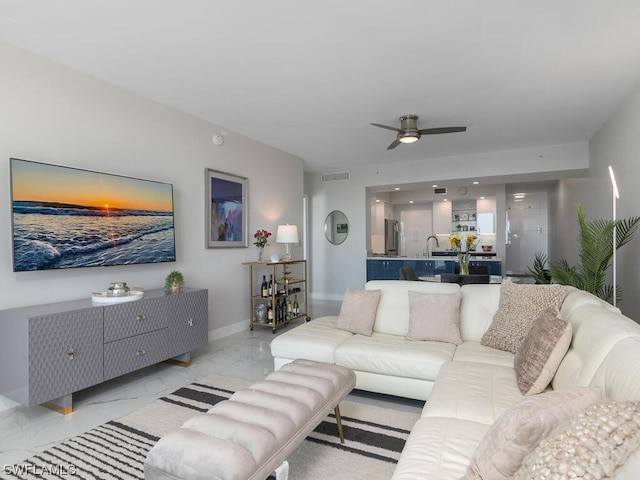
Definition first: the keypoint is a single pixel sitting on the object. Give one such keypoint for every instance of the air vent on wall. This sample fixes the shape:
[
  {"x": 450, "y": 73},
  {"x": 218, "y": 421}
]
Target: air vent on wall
[
  {"x": 335, "y": 177},
  {"x": 440, "y": 191}
]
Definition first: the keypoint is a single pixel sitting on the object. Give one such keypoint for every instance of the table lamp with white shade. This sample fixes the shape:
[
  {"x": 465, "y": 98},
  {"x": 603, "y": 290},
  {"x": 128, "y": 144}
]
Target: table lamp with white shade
[{"x": 287, "y": 234}]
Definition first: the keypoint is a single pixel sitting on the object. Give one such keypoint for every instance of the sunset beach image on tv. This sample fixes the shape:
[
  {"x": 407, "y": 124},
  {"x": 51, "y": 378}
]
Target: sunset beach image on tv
[{"x": 66, "y": 217}]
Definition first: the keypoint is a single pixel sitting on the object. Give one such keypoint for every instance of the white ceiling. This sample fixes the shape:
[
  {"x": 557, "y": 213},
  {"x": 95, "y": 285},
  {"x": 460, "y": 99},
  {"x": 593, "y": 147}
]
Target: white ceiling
[{"x": 309, "y": 77}]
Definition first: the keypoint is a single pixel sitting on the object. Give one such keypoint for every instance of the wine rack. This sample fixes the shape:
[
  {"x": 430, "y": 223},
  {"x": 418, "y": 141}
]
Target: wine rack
[{"x": 286, "y": 298}]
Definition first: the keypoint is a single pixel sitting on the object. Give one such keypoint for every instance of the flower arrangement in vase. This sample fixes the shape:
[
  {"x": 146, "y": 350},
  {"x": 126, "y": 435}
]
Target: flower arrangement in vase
[
  {"x": 261, "y": 240},
  {"x": 463, "y": 249}
]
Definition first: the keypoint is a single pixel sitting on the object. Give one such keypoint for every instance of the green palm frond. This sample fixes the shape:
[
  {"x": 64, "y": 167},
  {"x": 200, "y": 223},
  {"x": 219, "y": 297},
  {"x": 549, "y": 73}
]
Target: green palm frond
[
  {"x": 539, "y": 271},
  {"x": 595, "y": 251}
]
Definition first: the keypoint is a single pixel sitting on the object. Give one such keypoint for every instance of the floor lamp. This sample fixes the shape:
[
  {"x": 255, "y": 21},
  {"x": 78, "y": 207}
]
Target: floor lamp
[{"x": 616, "y": 196}]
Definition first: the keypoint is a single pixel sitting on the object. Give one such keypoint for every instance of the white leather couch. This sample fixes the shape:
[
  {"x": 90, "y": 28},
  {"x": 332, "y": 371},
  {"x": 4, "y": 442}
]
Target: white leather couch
[{"x": 468, "y": 386}]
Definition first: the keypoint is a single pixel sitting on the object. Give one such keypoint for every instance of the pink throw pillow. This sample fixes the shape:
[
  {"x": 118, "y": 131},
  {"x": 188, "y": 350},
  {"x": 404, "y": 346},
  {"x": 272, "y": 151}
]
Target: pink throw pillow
[
  {"x": 358, "y": 311},
  {"x": 434, "y": 317},
  {"x": 541, "y": 352},
  {"x": 519, "y": 430}
]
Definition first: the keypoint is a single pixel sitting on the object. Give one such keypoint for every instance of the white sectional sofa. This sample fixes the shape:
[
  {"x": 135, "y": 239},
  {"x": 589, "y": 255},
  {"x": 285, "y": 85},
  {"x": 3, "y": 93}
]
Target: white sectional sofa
[{"x": 469, "y": 386}]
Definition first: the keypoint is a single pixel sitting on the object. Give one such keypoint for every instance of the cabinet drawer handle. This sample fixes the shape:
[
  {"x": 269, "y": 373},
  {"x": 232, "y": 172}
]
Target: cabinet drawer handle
[
  {"x": 140, "y": 352},
  {"x": 140, "y": 317},
  {"x": 190, "y": 322},
  {"x": 70, "y": 354}
]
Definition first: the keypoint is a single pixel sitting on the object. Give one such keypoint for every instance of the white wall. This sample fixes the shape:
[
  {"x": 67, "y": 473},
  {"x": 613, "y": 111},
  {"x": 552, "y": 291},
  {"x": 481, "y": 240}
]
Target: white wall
[
  {"x": 617, "y": 143},
  {"x": 333, "y": 268},
  {"x": 51, "y": 114}
]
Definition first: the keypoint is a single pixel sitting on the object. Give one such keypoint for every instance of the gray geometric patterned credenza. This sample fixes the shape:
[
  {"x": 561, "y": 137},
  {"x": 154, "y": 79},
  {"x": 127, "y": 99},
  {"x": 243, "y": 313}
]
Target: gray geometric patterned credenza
[{"x": 47, "y": 352}]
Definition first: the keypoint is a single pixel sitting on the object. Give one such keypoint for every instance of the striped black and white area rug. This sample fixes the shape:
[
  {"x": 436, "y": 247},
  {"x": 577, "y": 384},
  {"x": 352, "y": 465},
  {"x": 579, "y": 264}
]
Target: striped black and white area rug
[{"x": 374, "y": 438}]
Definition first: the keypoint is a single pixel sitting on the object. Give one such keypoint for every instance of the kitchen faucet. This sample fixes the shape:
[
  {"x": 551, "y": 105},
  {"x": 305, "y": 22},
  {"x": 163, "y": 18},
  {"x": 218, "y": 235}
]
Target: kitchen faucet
[{"x": 437, "y": 243}]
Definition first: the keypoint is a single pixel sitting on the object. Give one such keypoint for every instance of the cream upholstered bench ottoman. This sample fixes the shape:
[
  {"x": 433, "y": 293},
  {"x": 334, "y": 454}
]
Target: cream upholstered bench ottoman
[{"x": 251, "y": 434}]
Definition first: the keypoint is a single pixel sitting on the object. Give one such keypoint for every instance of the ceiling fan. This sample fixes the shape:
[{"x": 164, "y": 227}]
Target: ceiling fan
[{"x": 409, "y": 133}]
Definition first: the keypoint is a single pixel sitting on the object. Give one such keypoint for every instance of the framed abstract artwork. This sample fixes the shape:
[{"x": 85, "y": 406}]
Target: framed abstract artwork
[{"x": 226, "y": 210}]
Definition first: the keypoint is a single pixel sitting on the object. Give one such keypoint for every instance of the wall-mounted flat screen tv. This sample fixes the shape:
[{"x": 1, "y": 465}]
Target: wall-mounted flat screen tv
[{"x": 66, "y": 217}]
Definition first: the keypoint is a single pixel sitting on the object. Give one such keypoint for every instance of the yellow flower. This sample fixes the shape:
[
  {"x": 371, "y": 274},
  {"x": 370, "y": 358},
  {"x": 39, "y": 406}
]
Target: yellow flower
[{"x": 455, "y": 241}]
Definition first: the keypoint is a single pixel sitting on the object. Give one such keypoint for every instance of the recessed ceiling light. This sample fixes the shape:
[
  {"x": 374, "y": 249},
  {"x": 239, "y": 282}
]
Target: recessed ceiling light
[
  {"x": 377, "y": 200},
  {"x": 397, "y": 188},
  {"x": 410, "y": 201},
  {"x": 476, "y": 183},
  {"x": 481, "y": 198},
  {"x": 520, "y": 195},
  {"x": 445, "y": 200},
  {"x": 435, "y": 185}
]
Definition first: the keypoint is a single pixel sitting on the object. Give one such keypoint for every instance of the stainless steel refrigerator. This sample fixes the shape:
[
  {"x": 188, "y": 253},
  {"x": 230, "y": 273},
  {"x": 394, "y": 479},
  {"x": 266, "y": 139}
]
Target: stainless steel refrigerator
[{"x": 391, "y": 237}]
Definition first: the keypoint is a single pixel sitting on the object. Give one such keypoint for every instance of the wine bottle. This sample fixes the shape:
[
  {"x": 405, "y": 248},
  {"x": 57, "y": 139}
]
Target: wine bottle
[
  {"x": 264, "y": 291},
  {"x": 296, "y": 306},
  {"x": 270, "y": 288},
  {"x": 289, "y": 309},
  {"x": 279, "y": 310},
  {"x": 270, "y": 313},
  {"x": 283, "y": 310}
]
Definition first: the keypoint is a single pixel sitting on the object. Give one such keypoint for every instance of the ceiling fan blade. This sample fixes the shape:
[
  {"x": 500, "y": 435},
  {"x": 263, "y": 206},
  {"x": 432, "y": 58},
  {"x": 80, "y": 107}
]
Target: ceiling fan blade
[
  {"x": 394, "y": 144},
  {"x": 436, "y": 131},
  {"x": 386, "y": 126}
]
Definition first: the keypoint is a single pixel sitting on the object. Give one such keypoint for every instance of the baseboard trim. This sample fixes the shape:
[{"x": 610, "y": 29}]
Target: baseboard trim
[{"x": 228, "y": 330}]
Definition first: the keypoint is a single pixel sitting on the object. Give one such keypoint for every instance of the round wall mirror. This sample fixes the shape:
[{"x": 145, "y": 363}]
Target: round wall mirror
[{"x": 336, "y": 227}]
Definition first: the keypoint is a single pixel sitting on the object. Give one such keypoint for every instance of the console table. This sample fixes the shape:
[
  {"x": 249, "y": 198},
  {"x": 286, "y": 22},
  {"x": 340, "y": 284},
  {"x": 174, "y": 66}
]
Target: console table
[{"x": 49, "y": 351}]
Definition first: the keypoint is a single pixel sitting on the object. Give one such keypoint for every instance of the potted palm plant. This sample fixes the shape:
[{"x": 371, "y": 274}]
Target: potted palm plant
[
  {"x": 539, "y": 271},
  {"x": 174, "y": 281},
  {"x": 595, "y": 250}
]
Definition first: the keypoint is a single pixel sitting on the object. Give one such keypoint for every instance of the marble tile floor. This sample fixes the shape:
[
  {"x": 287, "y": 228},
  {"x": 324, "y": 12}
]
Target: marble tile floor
[{"x": 26, "y": 431}]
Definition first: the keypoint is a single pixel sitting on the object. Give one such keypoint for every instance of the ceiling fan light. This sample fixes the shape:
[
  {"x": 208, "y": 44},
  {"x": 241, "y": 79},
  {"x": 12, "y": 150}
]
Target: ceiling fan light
[{"x": 409, "y": 138}]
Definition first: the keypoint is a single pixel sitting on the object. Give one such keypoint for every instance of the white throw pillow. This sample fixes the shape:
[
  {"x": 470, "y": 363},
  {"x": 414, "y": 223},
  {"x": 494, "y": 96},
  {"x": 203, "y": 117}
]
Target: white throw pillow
[{"x": 593, "y": 444}]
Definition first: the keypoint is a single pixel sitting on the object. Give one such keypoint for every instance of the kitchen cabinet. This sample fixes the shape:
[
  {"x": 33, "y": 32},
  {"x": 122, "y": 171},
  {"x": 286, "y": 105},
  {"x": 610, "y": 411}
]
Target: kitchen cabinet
[
  {"x": 383, "y": 269},
  {"x": 486, "y": 215},
  {"x": 441, "y": 218},
  {"x": 389, "y": 268},
  {"x": 415, "y": 227}
]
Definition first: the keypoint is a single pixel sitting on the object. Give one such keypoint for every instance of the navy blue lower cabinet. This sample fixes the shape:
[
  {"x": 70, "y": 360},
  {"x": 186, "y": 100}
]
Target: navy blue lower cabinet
[
  {"x": 379, "y": 269},
  {"x": 383, "y": 270},
  {"x": 389, "y": 269}
]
